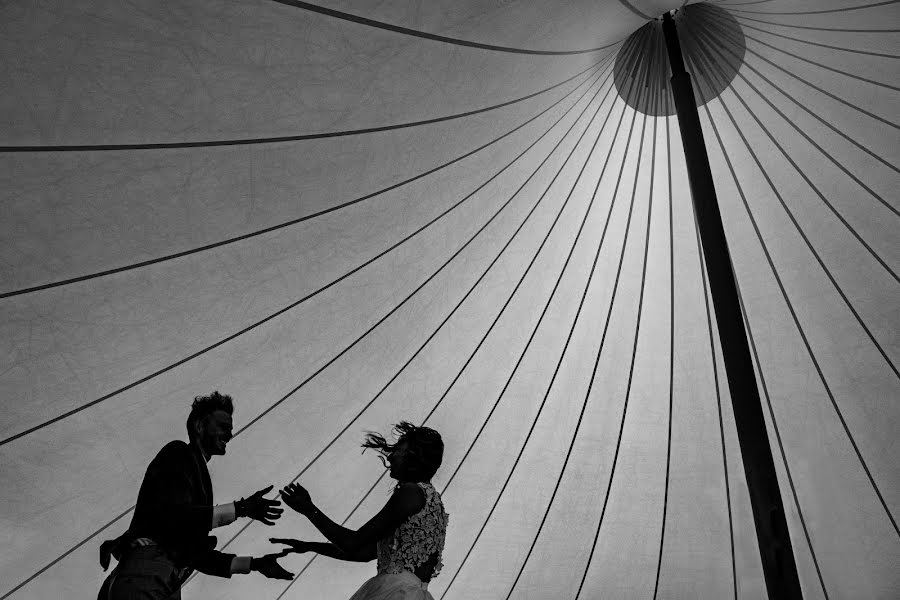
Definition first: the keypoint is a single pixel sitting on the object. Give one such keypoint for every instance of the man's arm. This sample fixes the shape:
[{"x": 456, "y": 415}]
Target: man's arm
[
  {"x": 171, "y": 486},
  {"x": 168, "y": 495},
  {"x": 219, "y": 564},
  {"x": 223, "y": 514},
  {"x": 257, "y": 507}
]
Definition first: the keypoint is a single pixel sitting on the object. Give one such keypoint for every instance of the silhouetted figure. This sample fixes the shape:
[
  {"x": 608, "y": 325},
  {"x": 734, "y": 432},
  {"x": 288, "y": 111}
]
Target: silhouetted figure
[
  {"x": 168, "y": 536},
  {"x": 406, "y": 536}
]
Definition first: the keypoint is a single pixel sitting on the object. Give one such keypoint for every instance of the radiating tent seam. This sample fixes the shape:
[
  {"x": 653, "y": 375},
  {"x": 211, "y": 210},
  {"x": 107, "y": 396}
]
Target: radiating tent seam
[
  {"x": 478, "y": 346},
  {"x": 844, "y": 30},
  {"x": 821, "y": 196},
  {"x": 797, "y": 321},
  {"x": 540, "y": 408},
  {"x": 800, "y": 230},
  {"x": 95, "y": 533},
  {"x": 269, "y": 317},
  {"x": 255, "y": 419},
  {"x": 540, "y": 320},
  {"x": 801, "y": 331},
  {"x": 784, "y": 460},
  {"x": 594, "y": 370},
  {"x": 428, "y": 36},
  {"x": 220, "y": 243},
  {"x": 726, "y": 3},
  {"x": 818, "y": 88},
  {"x": 835, "y": 497},
  {"x": 534, "y": 331},
  {"x": 747, "y": 325},
  {"x": 490, "y": 328},
  {"x": 755, "y": 356},
  {"x": 715, "y": 370},
  {"x": 627, "y": 4},
  {"x": 837, "y": 163},
  {"x": 821, "y": 120},
  {"x": 819, "y": 44},
  {"x": 447, "y": 319},
  {"x": 662, "y": 536},
  {"x": 820, "y": 65},
  {"x": 612, "y": 473},
  {"x": 761, "y": 375},
  {"x": 818, "y": 12},
  {"x": 759, "y": 364},
  {"x": 287, "y": 138},
  {"x": 397, "y": 374},
  {"x": 590, "y": 384}
]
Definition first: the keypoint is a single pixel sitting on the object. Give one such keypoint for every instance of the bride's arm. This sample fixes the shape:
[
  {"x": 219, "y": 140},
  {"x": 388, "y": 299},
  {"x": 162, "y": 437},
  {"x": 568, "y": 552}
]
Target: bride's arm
[
  {"x": 327, "y": 549},
  {"x": 407, "y": 500}
]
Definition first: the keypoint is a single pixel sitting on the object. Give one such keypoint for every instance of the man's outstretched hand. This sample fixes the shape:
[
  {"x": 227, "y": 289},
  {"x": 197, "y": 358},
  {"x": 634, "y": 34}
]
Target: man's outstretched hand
[
  {"x": 296, "y": 546},
  {"x": 259, "y": 508},
  {"x": 268, "y": 566}
]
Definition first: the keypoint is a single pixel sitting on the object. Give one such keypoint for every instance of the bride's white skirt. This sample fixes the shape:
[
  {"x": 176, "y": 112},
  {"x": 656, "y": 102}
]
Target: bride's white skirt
[{"x": 393, "y": 586}]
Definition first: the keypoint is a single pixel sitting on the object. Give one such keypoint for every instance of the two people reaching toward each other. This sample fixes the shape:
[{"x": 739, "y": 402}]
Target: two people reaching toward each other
[
  {"x": 168, "y": 536},
  {"x": 406, "y": 536},
  {"x": 169, "y": 533}
]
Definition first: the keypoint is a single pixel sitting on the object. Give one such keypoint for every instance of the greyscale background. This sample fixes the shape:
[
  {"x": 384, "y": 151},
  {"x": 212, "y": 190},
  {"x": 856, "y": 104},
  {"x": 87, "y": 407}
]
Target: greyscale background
[{"x": 444, "y": 211}]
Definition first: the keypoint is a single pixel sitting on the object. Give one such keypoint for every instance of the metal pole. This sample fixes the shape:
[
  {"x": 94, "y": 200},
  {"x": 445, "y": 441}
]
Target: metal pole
[{"x": 765, "y": 498}]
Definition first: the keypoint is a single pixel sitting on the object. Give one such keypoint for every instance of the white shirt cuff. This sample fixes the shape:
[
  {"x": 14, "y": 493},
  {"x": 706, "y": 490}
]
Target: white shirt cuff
[
  {"x": 223, "y": 514},
  {"x": 240, "y": 564}
]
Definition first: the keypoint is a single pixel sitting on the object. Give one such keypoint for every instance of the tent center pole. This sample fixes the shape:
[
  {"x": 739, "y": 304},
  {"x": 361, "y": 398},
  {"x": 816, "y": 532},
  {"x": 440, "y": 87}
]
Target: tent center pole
[{"x": 765, "y": 497}]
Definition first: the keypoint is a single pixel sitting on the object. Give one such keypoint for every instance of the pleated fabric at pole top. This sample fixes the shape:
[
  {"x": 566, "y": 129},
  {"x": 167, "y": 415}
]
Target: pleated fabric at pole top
[{"x": 466, "y": 214}]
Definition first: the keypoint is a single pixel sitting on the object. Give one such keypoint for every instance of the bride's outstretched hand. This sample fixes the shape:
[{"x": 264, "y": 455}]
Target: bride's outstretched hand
[
  {"x": 296, "y": 496},
  {"x": 295, "y": 546}
]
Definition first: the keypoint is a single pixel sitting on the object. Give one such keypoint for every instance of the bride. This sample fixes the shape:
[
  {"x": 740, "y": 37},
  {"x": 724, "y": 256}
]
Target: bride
[{"x": 406, "y": 536}]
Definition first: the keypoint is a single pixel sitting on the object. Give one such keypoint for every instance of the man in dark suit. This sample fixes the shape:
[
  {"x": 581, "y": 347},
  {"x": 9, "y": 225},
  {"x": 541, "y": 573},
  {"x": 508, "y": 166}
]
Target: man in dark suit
[{"x": 168, "y": 537}]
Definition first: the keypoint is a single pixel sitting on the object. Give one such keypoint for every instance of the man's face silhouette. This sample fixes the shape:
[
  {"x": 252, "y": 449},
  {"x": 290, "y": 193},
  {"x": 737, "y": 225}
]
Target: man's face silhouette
[{"x": 214, "y": 433}]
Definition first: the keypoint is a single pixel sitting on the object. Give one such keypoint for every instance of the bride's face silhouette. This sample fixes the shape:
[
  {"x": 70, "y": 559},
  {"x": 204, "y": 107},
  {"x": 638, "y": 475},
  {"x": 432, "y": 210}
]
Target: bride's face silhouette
[{"x": 399, "y": 461}]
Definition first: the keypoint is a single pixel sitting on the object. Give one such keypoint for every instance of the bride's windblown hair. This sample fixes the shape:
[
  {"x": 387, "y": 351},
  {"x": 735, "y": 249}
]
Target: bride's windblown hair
[{"x": 426, "y": 448}]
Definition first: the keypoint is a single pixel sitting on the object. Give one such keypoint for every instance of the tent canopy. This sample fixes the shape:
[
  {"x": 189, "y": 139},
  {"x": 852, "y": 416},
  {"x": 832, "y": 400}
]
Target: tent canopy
[{"x": 469, "y": 214}]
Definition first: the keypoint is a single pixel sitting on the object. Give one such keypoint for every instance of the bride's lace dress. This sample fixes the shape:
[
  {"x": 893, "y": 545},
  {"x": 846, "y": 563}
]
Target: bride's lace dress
[{"x": 410, "y": 557}]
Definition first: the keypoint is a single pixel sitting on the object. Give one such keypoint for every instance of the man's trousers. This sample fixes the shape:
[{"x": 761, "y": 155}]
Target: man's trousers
[{"x": 144, "y": 573}]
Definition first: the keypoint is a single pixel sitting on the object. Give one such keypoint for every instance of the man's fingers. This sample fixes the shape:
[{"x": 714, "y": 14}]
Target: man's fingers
[{"x": 264, "y": 491}]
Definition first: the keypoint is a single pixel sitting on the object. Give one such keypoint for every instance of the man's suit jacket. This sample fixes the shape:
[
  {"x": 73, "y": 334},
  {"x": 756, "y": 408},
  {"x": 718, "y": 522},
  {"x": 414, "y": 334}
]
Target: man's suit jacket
[{"x": 175, "y": 510}]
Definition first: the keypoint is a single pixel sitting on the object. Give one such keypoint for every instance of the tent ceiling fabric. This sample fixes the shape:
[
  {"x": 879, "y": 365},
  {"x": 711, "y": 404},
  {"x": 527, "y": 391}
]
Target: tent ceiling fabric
[{"x": 344, "y": 223}]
